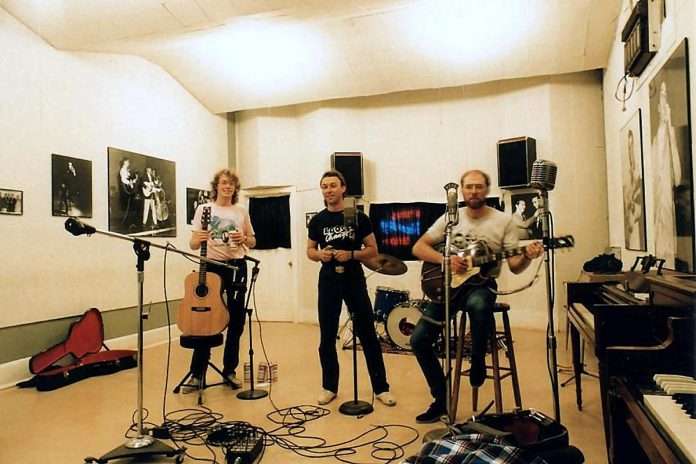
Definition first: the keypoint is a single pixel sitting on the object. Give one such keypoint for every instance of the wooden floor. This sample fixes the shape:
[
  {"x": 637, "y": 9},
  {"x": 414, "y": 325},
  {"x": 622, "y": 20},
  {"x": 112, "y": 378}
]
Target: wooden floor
[{"x": 90, "y": 418}]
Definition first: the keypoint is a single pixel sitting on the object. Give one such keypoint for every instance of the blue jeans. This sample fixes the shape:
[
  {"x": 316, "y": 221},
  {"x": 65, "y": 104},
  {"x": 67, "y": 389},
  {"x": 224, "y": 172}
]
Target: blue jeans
[{"x": 478, "y": 303}]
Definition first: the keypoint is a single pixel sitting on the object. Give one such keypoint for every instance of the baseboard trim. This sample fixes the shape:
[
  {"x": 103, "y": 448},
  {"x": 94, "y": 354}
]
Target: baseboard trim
[{"x": 16, "y": 371}]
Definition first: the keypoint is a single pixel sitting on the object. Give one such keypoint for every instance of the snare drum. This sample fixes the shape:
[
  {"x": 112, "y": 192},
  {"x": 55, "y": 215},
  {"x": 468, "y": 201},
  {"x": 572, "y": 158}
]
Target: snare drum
[
  {"x": 401, "y": 321},
  {"x": 385, "y": 299}
]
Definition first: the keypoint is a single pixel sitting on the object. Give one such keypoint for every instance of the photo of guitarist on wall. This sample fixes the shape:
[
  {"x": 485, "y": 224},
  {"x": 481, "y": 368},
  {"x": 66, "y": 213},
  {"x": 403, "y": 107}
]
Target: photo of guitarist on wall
[
  {"x": 138, "y": 204},
  {"x": 484, "y": 228}
]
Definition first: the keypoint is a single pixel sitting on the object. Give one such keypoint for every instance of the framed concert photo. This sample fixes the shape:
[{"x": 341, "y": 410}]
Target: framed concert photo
[
  {"x": 71, "y": 186},
  {"x": 195, "y": 197},
  {"x": 142, "y": 194},
  {"x": 671, "y": 162},
  {"x": 11, "y": 202},
  {"x": 633, "y": 184}
]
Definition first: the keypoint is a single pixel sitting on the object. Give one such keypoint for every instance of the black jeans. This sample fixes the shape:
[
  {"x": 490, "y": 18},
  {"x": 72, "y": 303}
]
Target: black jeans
[
  {"x": 335, "y": 288},
  {"x": 235, "y": 291},
  {"x": 478, "y": 303}
]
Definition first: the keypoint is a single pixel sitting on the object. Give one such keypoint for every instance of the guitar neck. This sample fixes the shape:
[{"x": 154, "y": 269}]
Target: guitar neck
[
  {"x": 203, "y": 268},
  {"x": 481, "y": 260}
]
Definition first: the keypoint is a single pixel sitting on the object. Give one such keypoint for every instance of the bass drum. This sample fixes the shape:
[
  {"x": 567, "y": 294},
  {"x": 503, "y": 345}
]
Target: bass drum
[
  {"x": 385, "y": 299},
  {"x": 401, "y": 321}
]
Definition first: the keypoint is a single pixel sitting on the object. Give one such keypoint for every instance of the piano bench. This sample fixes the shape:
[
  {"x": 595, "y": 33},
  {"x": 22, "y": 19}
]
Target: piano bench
[{"x": 501, "y": 339}]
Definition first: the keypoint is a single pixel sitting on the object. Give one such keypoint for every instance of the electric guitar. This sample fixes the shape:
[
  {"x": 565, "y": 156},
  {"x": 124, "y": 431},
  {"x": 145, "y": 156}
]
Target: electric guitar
[
  {"x": 483, "y": 260},
  {"x": 202, "y": 311}
]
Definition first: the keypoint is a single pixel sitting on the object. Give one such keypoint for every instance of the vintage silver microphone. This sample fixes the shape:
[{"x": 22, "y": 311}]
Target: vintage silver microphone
[
  {"x": 544, "y": 179},
  {"x": 452, "y": 204},
  {"x": 543, "y": 175}
]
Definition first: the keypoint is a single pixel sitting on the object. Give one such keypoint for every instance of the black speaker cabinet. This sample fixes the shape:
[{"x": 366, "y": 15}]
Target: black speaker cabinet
[
  {"x": 350, "y": 164},
  {"x": 515, "y": 159}
]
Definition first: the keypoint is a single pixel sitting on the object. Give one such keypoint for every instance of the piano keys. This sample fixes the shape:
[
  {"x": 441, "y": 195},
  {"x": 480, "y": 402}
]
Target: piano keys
[{"x": 631, "y": 326}]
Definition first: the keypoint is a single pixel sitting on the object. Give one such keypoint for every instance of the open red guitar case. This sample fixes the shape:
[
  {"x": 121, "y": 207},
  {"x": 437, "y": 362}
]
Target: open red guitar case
[{"x": 78, "y": 357}]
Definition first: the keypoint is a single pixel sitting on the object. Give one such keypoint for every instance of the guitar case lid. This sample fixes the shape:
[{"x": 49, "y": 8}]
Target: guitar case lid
[{"x": 85, "y": 336}]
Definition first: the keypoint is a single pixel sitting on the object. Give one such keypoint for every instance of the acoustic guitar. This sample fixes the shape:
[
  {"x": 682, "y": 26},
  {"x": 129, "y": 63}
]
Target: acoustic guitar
[
  {"x": 202, "y": 311},
  {"x": 483, "y": 260}
]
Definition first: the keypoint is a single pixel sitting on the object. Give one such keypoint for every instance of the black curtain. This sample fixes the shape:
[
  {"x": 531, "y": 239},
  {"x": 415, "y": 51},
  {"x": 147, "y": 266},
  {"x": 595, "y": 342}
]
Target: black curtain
[
  {"x": 270, "y": 217},
  {"x": 397, "y": 226}
]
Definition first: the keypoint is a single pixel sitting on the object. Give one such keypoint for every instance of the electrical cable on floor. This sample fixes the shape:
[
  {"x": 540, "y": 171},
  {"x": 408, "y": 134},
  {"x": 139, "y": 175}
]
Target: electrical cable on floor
[{"x": 202, "y": 427}]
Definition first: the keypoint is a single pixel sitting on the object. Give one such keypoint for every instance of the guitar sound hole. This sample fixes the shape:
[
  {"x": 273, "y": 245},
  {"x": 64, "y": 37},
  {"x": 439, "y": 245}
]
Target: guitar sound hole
[{"x": 201, "y": 291}]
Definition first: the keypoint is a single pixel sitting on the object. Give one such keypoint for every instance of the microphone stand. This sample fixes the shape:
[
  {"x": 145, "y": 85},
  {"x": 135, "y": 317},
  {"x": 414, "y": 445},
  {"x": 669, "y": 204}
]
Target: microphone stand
[
  {"x": 447, "y": 263},
  {"x": 355, "y": 407},
  {"x": 252, "y": 394},
  {"x": 551, "y": 335},
  {"x": 141, "y": 445}
]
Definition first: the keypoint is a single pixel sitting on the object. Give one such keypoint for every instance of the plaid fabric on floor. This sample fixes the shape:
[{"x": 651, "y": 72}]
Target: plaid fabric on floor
[{"x": 472, "y": 449}]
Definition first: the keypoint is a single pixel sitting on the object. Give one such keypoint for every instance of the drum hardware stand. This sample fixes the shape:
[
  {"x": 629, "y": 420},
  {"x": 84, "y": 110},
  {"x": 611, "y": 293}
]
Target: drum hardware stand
[
  {"x": 141, "y": 445},
  {"x": 252, "y": 394}
]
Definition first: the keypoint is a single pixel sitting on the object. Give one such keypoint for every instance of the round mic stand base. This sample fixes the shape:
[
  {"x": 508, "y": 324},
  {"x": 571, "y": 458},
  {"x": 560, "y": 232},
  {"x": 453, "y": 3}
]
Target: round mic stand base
[
  {"x": 355, "y": 408},
  {"x": 252, "y": 394}
]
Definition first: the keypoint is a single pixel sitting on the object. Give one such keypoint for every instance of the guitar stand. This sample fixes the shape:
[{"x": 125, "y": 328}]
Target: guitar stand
[{"x": 203, "y": 384}]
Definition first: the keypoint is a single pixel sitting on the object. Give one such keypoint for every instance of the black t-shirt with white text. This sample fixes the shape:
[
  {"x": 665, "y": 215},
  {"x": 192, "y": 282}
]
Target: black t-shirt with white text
[{"x": 328, "y": 228}]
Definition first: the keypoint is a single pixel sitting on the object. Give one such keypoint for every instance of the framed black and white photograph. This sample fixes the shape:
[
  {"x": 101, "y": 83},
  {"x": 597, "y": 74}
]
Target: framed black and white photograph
[
  {"x": 142, "y": 194},
  {"x": 633, "y": 187},
  {"x": 71, "y": 186},
  {"x": 525, "y": 215},
  {"x": 671, "y": 169},
  {"x": 11, "y": 202},
  {"x": 195, "y": 197}
]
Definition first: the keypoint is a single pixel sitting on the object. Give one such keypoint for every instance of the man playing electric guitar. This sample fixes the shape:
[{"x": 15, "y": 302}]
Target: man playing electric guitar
[{"x": 477, "y": 222}]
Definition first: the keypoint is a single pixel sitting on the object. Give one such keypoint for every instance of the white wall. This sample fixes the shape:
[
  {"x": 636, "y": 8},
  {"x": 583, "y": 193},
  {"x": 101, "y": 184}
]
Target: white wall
[
  {"x": 415, "y": 142},
  {"x": 77, "y": 105},
  {"x": 679, "y": 23}
]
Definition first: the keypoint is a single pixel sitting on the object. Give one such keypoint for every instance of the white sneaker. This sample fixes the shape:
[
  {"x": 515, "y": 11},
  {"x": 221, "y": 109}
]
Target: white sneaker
[
  {"x": 326, "y": 396},
  {"x": 193, "y": 385},
  {"x": 234, "y": 381},
  {"x": 387, "y": 398}
]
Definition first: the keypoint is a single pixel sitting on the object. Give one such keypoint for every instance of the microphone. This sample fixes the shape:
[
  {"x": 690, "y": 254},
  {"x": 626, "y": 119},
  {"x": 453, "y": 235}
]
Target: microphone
[
  {"x": 253, "y": 260},
  {"x": 543, "y": 175},
  {"x": 77, "y": 227},
  {"x": 452, "y": 204},
  {"x": 349, "y": 217}
]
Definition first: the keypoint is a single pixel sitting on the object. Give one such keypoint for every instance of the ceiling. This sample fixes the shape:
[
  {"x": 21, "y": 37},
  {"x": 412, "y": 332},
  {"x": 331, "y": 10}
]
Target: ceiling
[{"x": 241, "y": 54}]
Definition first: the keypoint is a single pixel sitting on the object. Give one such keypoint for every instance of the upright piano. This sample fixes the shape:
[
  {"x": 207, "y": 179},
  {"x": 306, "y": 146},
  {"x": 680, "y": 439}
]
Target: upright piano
[{"x": 639, "y": 325}]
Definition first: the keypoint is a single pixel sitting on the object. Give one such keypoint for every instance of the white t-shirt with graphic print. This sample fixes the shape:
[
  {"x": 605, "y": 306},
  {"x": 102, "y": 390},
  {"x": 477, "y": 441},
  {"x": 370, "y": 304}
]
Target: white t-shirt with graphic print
[{"x": 223, "y": 220}]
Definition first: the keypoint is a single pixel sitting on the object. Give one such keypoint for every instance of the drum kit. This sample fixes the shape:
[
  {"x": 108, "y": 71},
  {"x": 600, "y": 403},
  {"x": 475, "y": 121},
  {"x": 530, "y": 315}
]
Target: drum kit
[{"x": 396, "y": 315}]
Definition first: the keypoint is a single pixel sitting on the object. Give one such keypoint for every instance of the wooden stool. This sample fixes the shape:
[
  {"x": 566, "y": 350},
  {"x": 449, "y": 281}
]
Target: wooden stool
[
  {"x": 192, "y": 342},
  {"x": 499, "y": 340}
]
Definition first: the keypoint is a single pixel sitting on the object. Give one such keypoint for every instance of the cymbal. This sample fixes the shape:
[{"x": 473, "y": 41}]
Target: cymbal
[{"x": 386, "y": 264}]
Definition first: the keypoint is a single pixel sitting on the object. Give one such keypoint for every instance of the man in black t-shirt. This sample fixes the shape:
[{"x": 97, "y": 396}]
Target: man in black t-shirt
[{"x": 340, "y": 247}]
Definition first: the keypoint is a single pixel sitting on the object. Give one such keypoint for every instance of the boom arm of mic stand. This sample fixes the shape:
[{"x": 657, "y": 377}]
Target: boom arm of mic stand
[{"x": 146, "y": 244}]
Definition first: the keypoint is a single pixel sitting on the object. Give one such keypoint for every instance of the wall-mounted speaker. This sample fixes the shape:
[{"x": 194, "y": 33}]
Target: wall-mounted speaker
[
  {"x": 515, "y": 159},
  {"x": 350, "y": 164}
]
